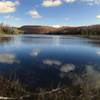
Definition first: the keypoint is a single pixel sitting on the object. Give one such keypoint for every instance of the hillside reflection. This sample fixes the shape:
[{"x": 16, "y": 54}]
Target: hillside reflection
[{"x": 5, "y": 39}]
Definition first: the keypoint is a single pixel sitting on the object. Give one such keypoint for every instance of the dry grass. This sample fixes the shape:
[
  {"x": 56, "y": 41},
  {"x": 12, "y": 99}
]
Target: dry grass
[
  {"x": 6, "y": 29},
  {"x": 10, "y": 88},
  {"x": 15, "y": 90}
]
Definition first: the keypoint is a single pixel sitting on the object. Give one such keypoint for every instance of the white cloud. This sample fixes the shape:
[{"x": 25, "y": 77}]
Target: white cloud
[
  {"x": 34, "y": 14},
  {"x": 17, "y": 2},
  {"x": 98, "y": 16},
  {"x": 92, "y": 2},
  {"x": 69, "y": 1},
  {"x": 89, "y": 2},
  {"x": 8, "y": 17},
  {"x": 8, "y": 6},
  {"x": 56, "y": 26},
  {"x": 51, "y": 3}
]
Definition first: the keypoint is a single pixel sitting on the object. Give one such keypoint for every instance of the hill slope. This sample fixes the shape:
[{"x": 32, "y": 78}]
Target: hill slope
[{"x": 84, "y": 30}]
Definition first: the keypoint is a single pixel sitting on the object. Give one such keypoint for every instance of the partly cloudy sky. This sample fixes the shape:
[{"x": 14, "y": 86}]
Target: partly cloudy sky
[{"x": 50, "y": 12}]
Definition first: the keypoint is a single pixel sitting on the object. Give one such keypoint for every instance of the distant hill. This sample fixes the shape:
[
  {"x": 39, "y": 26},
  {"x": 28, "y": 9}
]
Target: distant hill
[
  {"x": 46, "y": 29},
  {"x": 38, "y": 29},
  {"x": 93, "y": 29}
]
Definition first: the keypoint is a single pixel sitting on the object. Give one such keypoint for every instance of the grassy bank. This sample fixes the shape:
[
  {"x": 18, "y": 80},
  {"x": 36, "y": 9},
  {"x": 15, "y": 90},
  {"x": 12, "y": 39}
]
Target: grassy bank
[
  {"x": 6, "y": 29},
  {"x": 14, "y": 90}
]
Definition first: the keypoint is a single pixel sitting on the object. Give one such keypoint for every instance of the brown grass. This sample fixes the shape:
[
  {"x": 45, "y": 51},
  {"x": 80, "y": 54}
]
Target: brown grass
[
  {"x": 6, "y": 29},
  {"x": 17, "y": 91}
]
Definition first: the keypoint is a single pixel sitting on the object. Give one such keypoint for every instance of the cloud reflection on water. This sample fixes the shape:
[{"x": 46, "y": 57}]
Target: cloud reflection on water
[
  {"x": 8, "y": 58},
  {"x": 35, "y": 52},
  {"x": 52, "y": 62},
  {"x": 98, "y": 52},
  {"x": 67, "y": 68},
  {"x": 64, "y": 69},
  {"x": 90, "y": 79},
  {"x": 93, "y": 76}
]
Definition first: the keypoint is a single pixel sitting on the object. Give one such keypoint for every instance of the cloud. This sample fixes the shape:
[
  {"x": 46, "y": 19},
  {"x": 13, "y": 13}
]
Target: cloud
[
  {"x": 56, "y": 26},
  {"x": 54, "y": 3},
  {"x": 11, "y": 17},
  {"x": 89, "y": 2},
  {"x": 69, "y": 1},
  {"x": 51, "y": 3},
  {"x": 92, "y": 2},
  {"x": 17, "y": 2},
  {"x": 98, "y": 16},
  {"x": 34, "y": 14},
  {"x": 8, "y": 6}
]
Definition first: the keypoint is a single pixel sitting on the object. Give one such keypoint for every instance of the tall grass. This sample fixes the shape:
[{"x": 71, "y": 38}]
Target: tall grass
[
  {"x": 15, "y": 90},
  {"x": 10, "y": 88},
  {"x": 6, "y": 29}
]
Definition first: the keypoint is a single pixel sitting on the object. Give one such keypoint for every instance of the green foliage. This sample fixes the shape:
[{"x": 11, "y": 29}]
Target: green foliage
[
  {"x": 87, "y": 31},
  {"x": 90, "y": 31}
]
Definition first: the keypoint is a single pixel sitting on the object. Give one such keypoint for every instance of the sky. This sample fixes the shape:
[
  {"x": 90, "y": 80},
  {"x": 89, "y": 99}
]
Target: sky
[{"x": 50, "y": 12}]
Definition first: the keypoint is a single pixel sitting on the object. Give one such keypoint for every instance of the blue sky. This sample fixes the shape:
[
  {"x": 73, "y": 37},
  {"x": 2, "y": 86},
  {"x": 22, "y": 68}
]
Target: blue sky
[{"x": 50, "y": 12}]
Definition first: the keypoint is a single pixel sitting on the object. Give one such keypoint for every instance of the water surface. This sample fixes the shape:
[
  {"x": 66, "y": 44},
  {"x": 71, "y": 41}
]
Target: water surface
[{"x": 43, "y": 60}]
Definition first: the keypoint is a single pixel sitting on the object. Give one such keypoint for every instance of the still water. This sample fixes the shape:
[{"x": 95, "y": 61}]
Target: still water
[{"x": 43, "y": 60}]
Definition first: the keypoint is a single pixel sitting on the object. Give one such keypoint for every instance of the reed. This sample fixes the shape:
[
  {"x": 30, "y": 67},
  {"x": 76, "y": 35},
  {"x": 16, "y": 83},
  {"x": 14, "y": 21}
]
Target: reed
[{"x": 6, "y": 29}]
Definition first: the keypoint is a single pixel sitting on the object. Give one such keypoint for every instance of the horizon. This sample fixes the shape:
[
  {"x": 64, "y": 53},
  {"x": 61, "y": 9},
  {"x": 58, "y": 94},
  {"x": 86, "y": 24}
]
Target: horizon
[{"x": 50, "y": 12}]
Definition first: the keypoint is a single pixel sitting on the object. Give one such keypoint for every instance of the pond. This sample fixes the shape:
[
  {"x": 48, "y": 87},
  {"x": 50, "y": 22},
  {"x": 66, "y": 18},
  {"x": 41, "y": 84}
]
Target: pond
[{"x": 46, "y": 61}]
